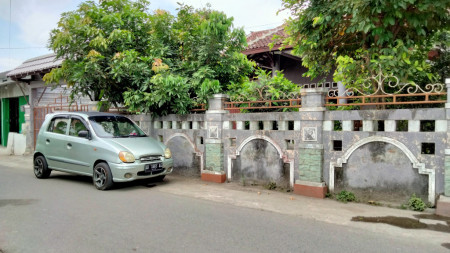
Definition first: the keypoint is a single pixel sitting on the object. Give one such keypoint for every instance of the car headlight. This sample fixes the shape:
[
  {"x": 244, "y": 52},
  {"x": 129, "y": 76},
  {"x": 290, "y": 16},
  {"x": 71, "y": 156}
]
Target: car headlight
[
  {"x": 167, "y": 153},
  {"x": 126, "y": 157}
]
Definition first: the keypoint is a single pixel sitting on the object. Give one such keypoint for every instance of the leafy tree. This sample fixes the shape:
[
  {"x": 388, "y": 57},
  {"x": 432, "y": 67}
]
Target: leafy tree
[
  {"x": 104, "y": 47},
  {"x": 362, "y": 38},
  {"x": 207, "y": 57},
  {"x": 116, "y": 50},
  {"x": 441, "y": 62}
]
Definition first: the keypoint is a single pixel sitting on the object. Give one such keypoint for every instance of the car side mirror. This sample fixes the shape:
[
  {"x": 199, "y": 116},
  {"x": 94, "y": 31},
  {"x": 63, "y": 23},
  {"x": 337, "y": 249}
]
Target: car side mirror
[{"x": 84, "y": 134}]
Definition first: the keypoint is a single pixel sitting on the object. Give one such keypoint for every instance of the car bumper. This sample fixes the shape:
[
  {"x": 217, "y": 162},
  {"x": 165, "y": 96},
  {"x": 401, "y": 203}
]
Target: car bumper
[{"x": 125, "y": 172}]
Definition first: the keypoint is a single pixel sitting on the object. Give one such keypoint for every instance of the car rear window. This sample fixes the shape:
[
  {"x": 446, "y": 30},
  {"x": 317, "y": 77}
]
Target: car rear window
[{"x": 58, "y": 125}]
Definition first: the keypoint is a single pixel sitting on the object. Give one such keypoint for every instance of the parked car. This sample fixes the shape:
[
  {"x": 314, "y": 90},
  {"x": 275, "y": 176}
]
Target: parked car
[{"x": 109, "y": 148}]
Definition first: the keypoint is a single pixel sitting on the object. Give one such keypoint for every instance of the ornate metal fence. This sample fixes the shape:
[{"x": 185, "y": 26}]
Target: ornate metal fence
[
  {"x": 384, "y": 90},
  {"x": 379, "y": 90}
]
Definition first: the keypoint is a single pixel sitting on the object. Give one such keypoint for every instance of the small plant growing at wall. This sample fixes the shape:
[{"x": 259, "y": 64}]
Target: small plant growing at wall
[
  {"x": 346, "y": 196},
  {"x": 243, "y": 182},
  {"x": 374, "y": 203},
  {"x": 403, "y": 207},
  {"x": 415, "y": 203},
  {"x": 271, "y": 186}
]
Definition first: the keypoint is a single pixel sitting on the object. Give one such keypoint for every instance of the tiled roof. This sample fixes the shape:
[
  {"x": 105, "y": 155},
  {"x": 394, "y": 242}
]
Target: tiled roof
[
  {"x": 259, "y": 41},
  {"x": 35, "y": 65}
]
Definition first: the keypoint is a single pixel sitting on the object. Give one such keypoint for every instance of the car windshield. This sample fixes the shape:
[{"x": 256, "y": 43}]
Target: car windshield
[{"x": 115, "y": 127}]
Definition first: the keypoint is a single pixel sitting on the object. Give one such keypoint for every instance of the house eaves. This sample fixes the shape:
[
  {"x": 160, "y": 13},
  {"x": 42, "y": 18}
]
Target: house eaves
[{"x": 38, "y": 65}]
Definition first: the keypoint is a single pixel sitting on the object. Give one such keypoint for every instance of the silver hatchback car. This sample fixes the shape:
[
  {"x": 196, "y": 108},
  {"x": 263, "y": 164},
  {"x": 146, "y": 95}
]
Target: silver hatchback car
[{"x": 109, "y": 148}]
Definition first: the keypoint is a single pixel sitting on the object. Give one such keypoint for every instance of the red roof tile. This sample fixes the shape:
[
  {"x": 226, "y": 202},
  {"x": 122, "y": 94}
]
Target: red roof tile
[{"x": 259, "y": 41}]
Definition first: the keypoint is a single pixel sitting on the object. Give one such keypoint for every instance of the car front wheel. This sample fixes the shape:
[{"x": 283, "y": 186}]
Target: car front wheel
[
  {"x": 41, "y": 169},
  {"x": 102, "y": 177},
  {"x": 159, "y": 178}
]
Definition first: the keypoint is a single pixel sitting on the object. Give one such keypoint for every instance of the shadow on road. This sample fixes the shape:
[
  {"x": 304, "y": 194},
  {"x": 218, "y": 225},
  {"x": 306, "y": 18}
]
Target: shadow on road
[
  {"x": 73, "y": 178},
  {"x": 16, "y": 202},
  {"x": 148, "y": 183},
  {"x": 125, "y": 186}
]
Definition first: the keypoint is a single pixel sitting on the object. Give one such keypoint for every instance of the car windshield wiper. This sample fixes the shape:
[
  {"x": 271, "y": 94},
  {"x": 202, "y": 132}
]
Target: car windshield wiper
[
  {"x": 136, "y": 136},
  {"x": 122, "y": 136}
]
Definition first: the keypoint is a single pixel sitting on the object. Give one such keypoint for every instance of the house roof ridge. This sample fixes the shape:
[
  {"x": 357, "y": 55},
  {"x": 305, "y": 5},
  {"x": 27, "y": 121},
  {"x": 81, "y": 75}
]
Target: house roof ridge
[{"x": 41, "y": 57}]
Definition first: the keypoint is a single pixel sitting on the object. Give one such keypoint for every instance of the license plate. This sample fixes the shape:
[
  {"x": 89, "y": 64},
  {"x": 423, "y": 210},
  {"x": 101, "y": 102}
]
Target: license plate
[{"x": 153, "y": 167}]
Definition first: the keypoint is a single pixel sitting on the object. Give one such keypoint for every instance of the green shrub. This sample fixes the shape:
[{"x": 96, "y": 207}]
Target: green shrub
[
  {"x": 416, "y": 203},
  {"x": 264, "y": 87},
  {"x": 345, "y": 196}
]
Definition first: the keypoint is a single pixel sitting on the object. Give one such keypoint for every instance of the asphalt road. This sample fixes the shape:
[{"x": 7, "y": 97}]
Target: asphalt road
[{"x": 65, "y": 213}]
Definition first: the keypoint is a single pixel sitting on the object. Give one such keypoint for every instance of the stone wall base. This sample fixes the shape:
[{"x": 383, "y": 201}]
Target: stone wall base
[
  {"x": 443, "y": 206},
  {"x": 310, "y": 189},
  {"x": 216, "y": 177}
]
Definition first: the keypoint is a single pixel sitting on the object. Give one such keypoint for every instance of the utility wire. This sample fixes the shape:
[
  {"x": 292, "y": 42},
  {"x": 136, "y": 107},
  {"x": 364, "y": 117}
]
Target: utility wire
[
  {"x": 264, "y": 25},
  {"x": 8, "y": 48},
  {"x": 9, "y": 39}
]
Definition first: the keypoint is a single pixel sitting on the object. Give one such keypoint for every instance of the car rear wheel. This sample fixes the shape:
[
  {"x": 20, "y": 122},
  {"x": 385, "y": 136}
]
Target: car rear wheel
[
  {"x": 41, "y": 169},
  {"x": 102, "y": 177}
]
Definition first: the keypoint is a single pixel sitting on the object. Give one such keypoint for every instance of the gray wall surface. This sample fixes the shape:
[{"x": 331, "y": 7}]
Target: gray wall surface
[
  {"x": 260, "y": 163},
  {"x": 381, "y": 171},
  {"x": 377, "y": 160},
  {"x": 185, "y": 162}
]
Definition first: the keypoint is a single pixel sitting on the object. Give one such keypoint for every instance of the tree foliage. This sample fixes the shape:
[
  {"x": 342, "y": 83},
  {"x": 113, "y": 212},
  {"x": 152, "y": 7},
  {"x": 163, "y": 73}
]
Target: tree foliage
[
  {"x": 116, "y": 50},
  {"x": 265, "y": 87},
  {"x": 363, "y": 37},
  {"x": 441, "y": 62}
]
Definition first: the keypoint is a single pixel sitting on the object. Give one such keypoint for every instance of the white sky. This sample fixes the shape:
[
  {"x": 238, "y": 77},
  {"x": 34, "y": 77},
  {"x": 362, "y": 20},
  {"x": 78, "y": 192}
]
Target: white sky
[{"x": 31, "y": 21}]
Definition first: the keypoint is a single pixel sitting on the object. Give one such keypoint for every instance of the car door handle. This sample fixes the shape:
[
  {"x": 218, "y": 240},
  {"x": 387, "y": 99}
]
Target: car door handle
[
  {"x": 69, "y": 145},
  {"x": 47, "y": 141}
]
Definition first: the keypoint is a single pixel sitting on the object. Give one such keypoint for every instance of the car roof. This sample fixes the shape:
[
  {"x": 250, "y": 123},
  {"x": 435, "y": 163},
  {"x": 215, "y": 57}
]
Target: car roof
[{"x": 88, "y": 114}]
